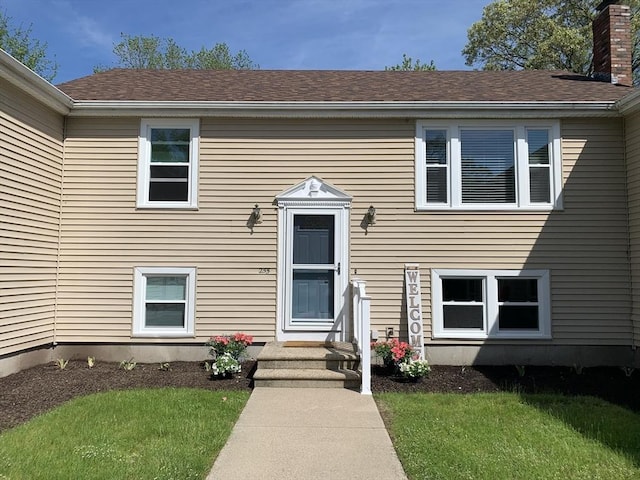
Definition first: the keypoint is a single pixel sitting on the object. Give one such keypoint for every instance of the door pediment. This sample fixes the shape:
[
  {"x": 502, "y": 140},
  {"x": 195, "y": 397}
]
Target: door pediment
[{"x": 313, "y": 190}]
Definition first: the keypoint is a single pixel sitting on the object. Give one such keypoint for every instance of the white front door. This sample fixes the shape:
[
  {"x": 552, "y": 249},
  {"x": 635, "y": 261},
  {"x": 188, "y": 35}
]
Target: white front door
[{"x": 313, "y": 270}]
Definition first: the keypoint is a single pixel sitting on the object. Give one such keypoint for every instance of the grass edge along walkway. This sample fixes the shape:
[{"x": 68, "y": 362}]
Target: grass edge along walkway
[
  {"x": 165, "y": 433},
  {"x": 508, "y": 435}
]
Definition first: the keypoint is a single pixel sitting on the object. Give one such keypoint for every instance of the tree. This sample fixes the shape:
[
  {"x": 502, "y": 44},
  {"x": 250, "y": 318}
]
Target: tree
[
  {"x": 543, "y": 34},
  {"x": 164, "y": 53},
  {"x": 407, "y": 64},
  {"x": 17, "y": 42}
]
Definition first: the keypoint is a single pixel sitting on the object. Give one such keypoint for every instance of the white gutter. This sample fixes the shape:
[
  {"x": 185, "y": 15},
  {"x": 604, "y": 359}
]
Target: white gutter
[
  {"x": 93, "y": 108},
  {"x": 28, "y": 81},
  {"x": 33, "y": 84},
  {"x": 630, "y": 103}
]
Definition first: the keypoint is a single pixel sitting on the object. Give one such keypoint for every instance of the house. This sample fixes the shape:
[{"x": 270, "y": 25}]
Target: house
[{"x": 145, "y": 211}]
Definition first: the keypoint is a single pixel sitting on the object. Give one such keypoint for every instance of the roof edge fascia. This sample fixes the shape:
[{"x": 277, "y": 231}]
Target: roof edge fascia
[
  {"x": 33, "y": 84},
  {"x": 629, "y": 104},
  {"x": 92, "y": 108}
]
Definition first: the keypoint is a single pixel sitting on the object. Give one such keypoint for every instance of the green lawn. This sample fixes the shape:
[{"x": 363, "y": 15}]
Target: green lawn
[
  {"x": 512, "y": 436},
  {"x": 177, "y": 433},
  {"x": 134, "y": 434}
]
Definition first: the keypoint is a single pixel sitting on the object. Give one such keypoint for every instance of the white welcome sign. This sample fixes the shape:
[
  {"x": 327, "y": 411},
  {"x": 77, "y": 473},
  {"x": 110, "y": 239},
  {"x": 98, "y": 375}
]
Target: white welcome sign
[{"x": 414, "y": 307}]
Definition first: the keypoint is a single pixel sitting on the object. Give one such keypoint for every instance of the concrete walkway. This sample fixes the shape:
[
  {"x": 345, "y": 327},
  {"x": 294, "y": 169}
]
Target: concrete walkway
[{"x": 307, "y": 434}]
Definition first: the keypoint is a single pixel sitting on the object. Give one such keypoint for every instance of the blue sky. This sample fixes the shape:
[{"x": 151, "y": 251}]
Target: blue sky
[{"x": 277, "y": 34}]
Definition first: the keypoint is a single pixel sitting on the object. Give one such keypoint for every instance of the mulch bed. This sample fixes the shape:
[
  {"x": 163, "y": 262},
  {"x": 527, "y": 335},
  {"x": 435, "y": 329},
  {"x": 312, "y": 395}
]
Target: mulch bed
[
  {"x": 613, "y": 384},
  {"x": 31, "y": 392}
]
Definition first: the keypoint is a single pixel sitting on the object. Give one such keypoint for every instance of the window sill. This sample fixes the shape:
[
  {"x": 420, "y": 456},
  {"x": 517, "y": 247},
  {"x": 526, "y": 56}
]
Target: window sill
[
  {"x": 497, "y": 338},
  {"x": 163, "y": 335},
  {"x": 488, "y": 208},
  {"x": 166, "y": 206}
]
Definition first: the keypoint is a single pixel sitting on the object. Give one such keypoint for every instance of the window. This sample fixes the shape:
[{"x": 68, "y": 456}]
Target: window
[
  {"x": 488, "y": 165},
  {"x": 480, "y": 304},
  {"x": 164, "y": 302},
  {"x": 168, "y": 164}
]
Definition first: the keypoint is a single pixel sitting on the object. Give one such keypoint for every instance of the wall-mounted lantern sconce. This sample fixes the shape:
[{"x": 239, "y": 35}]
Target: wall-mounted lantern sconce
[
  {"x": 255, "y": 215},
  {"x": 368, "y": 219},
  {"x": 254, "y": 218},
  {"x": 371, "y": 216}
]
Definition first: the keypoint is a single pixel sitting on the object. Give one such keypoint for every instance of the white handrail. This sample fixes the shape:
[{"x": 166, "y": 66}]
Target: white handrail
[{"x": 362, "y": 330}]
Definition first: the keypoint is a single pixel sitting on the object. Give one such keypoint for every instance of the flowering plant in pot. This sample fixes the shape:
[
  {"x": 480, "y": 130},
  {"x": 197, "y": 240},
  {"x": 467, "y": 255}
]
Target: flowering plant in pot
[
  {"x": 401, "y": 359},
  {"x": 414, "y": 369},
  {"x": 227, "y": 351},
  {"x": 225, "y": 365},
  {"x": 235, "y": 345},
  {"x": 393, "y": 351}
]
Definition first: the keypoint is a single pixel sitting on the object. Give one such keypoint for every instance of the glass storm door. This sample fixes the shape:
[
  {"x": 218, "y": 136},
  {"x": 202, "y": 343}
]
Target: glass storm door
[{"x": 314, "y": 269}]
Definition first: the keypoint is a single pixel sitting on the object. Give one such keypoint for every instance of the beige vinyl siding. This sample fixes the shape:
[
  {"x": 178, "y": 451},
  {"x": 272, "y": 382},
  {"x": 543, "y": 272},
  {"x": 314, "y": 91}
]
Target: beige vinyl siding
[
  {"x": 30, "y": 184},
  {"x": 244, "y": 162},
  {"x": 632, "y": 127}
]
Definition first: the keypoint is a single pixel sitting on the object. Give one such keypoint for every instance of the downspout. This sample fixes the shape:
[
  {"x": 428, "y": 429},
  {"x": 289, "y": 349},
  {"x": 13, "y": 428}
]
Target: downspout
[
  {"x": 629, "y": 242},
  {"x": 59, "y": 245}
]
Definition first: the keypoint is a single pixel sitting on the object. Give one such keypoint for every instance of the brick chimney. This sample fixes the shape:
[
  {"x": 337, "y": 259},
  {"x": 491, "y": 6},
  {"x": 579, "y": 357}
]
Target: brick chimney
[{"x": 612, "y": 43}]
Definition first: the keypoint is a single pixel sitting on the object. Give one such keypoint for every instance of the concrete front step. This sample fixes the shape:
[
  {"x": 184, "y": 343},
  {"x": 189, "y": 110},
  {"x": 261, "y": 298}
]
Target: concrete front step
[
  {"x": 339, "y": 355},
  {"x": 305, "y": 378},
  {"x": 298, "y": 364}
]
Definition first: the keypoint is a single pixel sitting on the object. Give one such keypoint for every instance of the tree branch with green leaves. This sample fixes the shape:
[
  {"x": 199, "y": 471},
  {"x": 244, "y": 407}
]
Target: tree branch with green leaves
[
  {"x": 151, "y": 52},
  {"x": 545, "y": 34},
  {"x": 18, "y": 42},
  {"x": 408, "y": 64}
]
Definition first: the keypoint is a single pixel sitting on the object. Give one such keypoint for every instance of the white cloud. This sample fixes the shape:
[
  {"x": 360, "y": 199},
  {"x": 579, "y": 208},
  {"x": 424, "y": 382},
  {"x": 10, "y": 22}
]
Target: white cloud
[{"x": 86, "y": 30}]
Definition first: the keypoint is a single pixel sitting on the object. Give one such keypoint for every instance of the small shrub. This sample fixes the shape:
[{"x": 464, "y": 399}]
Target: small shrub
[
  {"x": 62, "y": 363},
  {"x": 91, "y": 361},
  {"x": 521, "y": 370},
  {"x": 128, "y": 365}
]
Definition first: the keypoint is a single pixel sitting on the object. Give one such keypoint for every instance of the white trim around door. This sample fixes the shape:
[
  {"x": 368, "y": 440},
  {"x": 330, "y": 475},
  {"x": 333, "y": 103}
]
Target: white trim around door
[{"x": 313, "y": 262}]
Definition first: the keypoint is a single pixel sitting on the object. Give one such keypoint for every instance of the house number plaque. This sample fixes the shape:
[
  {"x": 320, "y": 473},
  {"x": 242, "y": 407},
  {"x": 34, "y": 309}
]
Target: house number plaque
[{"x": 414, "y": 307}]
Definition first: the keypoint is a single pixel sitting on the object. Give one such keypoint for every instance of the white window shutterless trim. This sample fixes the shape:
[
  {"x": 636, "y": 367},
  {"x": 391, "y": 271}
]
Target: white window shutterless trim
[
  {"x": 490, "y": 304},
  {"x": 140, "y": 301},
  {"x": 453, "y": 165},
  {"x": 145, "y": 163}
]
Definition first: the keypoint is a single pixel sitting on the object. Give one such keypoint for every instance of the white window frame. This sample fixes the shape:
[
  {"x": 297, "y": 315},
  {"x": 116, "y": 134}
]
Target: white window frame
[
  {"x": 144, "y": 162},
  {"x": 139, "y": 302},
  {"x": 454, "y": 164},
  {"x": 490, "y": 299}
]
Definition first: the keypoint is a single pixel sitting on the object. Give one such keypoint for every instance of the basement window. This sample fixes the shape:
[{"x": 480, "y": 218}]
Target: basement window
[
  {"x": 164, "y": 302},
  {"x": 482, "y": 304}
]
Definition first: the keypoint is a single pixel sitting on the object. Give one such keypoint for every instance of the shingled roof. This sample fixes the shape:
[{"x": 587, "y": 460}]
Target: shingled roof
[{"x": 340, "y": 86}]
